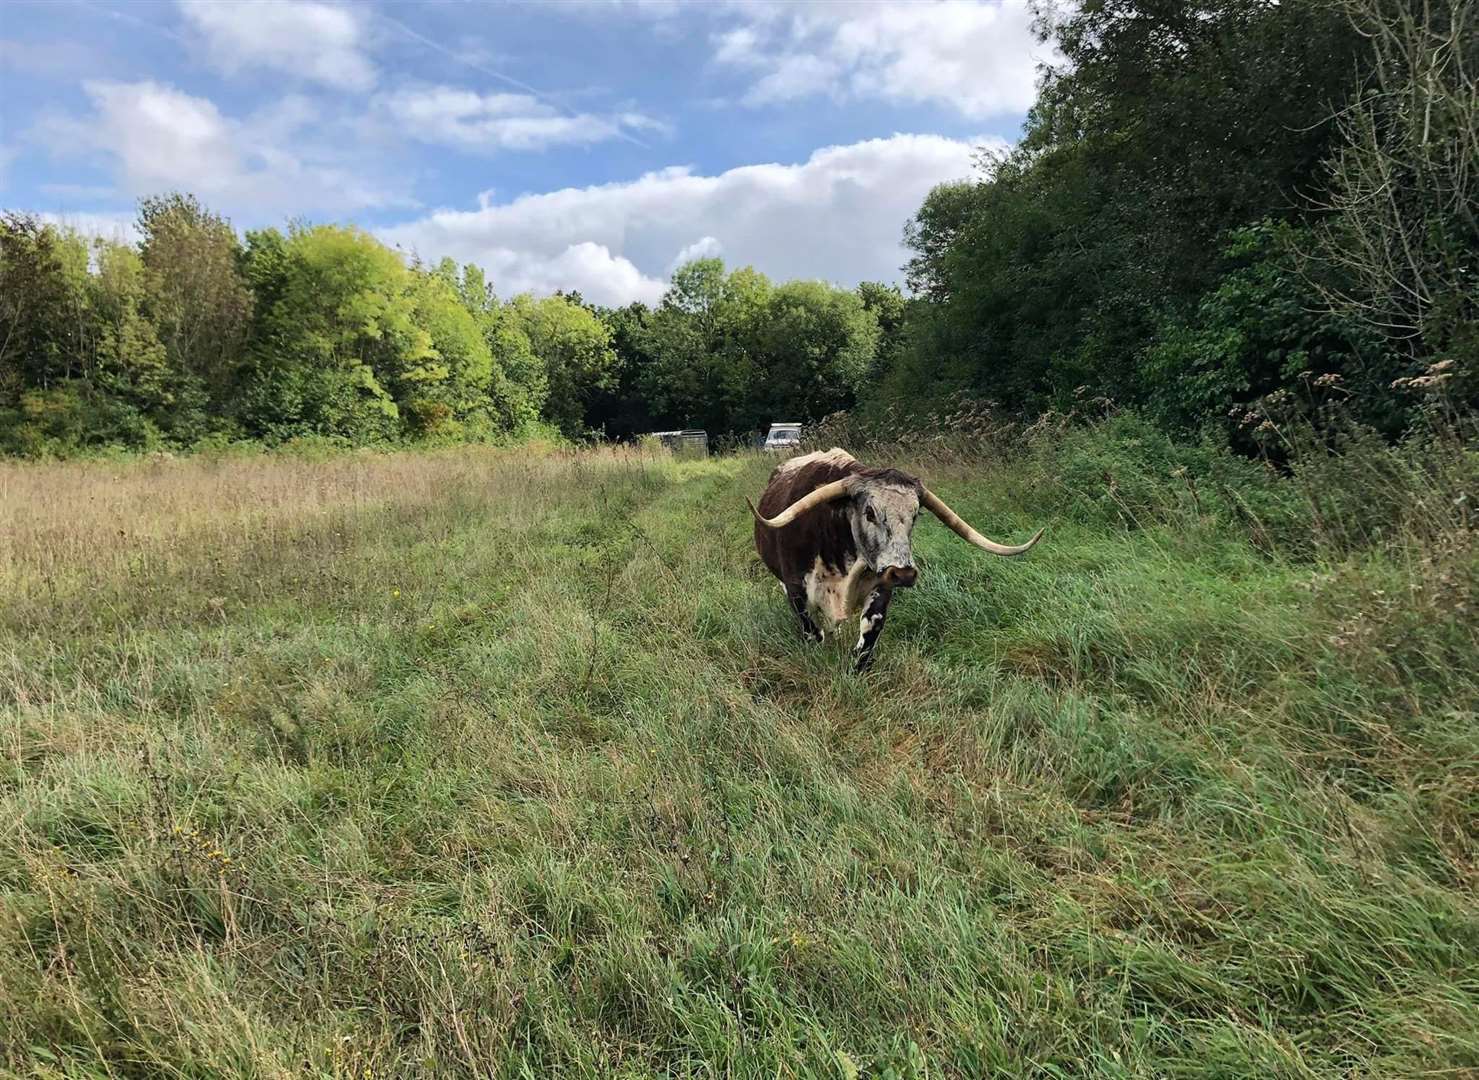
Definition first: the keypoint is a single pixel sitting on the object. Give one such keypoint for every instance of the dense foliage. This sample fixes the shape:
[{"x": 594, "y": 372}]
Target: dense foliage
[
  {"x": 1214, "y": 200},
  {"x": 193, "y": 335}
]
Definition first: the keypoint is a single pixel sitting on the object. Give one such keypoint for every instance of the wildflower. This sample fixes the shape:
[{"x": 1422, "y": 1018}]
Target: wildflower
[{"x": 395, "y": 592}]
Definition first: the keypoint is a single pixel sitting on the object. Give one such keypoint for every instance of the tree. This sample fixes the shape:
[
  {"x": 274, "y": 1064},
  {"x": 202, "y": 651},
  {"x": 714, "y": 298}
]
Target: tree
[
  {"x": 626, "y": 410},
  {"x": 132, "y": 364},
  {"x": 814, "y": 346},
  {"x": 1398, "y": 251},
  {"x": 699, "y": 338},
  {"x": 195, "y": 295},
  {"x": 439, "y": 395},
  {"x": 574, "y": 348},
  {"x": 890, "y": 310},
  {"x": 45, "y": 325},
  {"x": 1261, "y": 329},
  {"x": 340, "y": 334}
]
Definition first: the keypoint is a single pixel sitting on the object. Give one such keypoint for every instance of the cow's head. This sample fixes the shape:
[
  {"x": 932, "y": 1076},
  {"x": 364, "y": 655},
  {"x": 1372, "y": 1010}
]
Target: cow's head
[{"x": 882, "y": 506}]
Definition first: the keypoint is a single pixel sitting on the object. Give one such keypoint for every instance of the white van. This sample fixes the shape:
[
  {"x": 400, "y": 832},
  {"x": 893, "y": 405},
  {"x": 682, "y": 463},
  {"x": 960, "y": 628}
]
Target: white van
[{"x": 783, "y": 437}]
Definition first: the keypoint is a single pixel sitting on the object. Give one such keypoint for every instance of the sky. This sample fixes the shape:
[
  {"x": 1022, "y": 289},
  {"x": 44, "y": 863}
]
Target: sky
[{"x": 572, "y": 144}]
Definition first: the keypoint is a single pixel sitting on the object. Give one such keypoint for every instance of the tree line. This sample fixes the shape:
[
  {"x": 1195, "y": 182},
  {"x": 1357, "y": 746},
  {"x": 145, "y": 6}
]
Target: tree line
[
  {"x": 1214, "y": 202},
  {"x": 193, "y": 335}
]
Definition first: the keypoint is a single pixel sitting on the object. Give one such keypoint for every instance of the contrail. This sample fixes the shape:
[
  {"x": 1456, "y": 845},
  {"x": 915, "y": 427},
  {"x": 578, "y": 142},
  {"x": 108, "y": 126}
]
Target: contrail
[
  {"x": 134, "y": 19},
  {"x": 415, "y": 35},
  {"x": 537, "y": 94}
]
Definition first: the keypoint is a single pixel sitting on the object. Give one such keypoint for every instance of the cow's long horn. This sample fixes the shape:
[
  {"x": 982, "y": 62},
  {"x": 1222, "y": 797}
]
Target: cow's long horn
[
  {"x": 826, "y": 493},
  {"x": 968, "y": 534}
]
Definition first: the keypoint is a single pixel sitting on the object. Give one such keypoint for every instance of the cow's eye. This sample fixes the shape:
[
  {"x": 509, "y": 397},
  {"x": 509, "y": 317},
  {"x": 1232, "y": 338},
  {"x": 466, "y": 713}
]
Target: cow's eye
[{"x": 868, "y": 513}]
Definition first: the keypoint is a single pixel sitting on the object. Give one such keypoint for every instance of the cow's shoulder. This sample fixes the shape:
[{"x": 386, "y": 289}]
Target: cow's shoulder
[
  {"x": 798, "y": 475},
  {"x": 835, "y": 460}
]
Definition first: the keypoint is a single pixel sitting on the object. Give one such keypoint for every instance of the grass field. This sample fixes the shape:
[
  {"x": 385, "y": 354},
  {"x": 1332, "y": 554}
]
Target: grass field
[{"x": 512, "y": 763}]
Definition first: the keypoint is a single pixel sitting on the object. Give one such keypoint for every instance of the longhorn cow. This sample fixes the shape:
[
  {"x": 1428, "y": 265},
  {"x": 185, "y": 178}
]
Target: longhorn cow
[{"x": 837, "y": 534}]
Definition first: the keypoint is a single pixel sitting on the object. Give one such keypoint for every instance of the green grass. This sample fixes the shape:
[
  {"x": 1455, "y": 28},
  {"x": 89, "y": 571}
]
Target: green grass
[{"x": 488, "y": 763}]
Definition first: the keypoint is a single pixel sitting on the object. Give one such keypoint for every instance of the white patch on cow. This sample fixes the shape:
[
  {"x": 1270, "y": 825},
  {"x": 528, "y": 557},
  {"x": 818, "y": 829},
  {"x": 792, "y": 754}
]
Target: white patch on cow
[
  {"x": 835, "y": 456},
  {"x": 868, "y": 622},
  {"x": 835, "y": 595}
]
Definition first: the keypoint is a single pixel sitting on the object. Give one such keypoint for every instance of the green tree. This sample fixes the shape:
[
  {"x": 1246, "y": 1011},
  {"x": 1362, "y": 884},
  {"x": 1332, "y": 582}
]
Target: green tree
[
  {"x": 891, "y": 312},
  {"x": 1261, "y": 329},
  {"x": 1398, "y": 251},
  {"x": 45, "y": 323},
  {"x": 517, "y": 386},
  {"x": 814, "y": 346},
  {"x": 626, "y": 410},
  {"x": 700, "y": 342},
  {"x": 1169, "y": 125},
  {"x": 574, "y": 348},
  {"x": 80, "y": 365},
  {"x": 339, "y": 335},
  {"x": 195, "y": 297},
  {"x": 132, "y": 365},
  {"x": 445, "y": 391}
]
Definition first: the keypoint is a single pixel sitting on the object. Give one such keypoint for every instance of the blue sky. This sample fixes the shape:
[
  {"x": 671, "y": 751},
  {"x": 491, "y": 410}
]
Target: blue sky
[{"x": 586, "y": 144}]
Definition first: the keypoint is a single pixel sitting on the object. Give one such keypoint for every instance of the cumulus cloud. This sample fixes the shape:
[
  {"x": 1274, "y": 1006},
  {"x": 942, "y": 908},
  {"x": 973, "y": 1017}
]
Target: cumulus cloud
[
  {"x": 323, "y": 43},
  {"x": 836, "y": 216},
  {"x": 706, "y": 247},
  {"x": 460, "y": 118},
  {"x": 975, "y": 57},
  {"x": 157, "y": 138}
]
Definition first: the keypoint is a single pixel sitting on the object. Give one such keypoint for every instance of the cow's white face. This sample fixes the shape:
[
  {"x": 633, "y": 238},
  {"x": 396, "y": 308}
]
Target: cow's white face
[{"x": 883, "y": 517}]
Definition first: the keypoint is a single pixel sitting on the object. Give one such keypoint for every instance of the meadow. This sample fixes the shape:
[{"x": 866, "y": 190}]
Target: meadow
[{"x": 511, "y": 762}]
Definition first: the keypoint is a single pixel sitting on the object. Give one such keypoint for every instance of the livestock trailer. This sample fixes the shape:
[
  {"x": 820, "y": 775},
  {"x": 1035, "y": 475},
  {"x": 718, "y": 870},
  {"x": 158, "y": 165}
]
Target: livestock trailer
[{"x": 690, "y": 442}]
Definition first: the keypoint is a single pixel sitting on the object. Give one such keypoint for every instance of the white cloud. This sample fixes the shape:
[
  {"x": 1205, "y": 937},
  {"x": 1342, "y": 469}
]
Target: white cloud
[
  {"x": 706, "y": 247},
  {"x": 156, "y": 138},
  {"x": 587, "y": 267},
  {"x": 837, "y": 216},
  {"x": 975, "y": 57},
  {"x": 119, "y": 226},
  {"x": 321, "y": 42},
  {"x": 487, "y": 122}
]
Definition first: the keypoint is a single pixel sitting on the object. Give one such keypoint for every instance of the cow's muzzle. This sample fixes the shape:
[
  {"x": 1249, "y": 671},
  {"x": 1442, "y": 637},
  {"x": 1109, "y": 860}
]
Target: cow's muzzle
[{"x": 900, "y": 577}]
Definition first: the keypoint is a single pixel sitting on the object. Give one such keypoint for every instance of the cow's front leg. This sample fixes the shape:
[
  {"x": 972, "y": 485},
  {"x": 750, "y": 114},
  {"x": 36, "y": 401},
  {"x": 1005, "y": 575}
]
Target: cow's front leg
[
  {"x": 870, "y": 626},
  {"x": 796, "y": 597}
]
